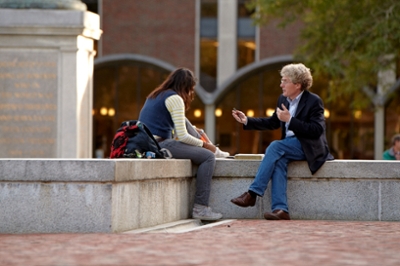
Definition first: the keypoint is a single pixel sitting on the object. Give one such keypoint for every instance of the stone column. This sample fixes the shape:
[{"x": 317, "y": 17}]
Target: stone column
[
  {"x": 227, "y": 54},
  {"x": 227, "y": 40},
  {"x": 46, "y": 68}
]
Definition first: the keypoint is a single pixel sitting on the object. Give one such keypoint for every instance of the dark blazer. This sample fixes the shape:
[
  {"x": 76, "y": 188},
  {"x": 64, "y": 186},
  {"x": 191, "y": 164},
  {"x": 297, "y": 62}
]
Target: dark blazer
[{"x": 308, "y": 124}]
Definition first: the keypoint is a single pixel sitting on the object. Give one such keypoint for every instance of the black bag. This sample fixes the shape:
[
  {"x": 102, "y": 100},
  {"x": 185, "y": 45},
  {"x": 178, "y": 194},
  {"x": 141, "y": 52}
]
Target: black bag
[{"x": 133, "y": 140}]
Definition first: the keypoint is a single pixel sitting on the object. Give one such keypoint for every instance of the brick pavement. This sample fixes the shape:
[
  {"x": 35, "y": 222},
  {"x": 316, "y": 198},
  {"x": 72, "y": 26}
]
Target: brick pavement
[{"x": 240, "y": 242}]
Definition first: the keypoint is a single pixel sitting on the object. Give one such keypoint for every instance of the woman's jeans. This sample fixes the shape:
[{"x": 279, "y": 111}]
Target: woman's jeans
[
  {"x": 200, "y": 156},
  {"x": 274, "y": 167}
]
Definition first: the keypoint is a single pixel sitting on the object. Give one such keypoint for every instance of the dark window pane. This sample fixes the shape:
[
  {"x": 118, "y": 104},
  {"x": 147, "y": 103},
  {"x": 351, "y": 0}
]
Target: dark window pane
[
  {"x": 243, "y": 11},
  {"x": 208, "y": 64},
  {"x": 209, "y": 8},
  {"x": 246, "y": 52},
  {"x": 209, "y": 27},
  {"x": 208, "y": 44},
  {"x": 92, "y": 5},
  {"x": 246, "y": 29},
  {"x": 246, "y": 32}
]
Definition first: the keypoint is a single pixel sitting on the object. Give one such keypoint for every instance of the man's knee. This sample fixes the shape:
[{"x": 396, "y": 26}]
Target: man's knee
[{"x": 273, "y": 146}]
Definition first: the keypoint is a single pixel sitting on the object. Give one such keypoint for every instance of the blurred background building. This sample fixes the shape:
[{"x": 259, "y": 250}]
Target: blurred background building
[{"x": 237, "y": 65}]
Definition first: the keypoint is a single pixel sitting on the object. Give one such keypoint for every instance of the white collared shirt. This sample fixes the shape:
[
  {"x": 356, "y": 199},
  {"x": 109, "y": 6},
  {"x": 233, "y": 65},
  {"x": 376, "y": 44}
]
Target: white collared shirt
[{"x": 293, "y": 104}]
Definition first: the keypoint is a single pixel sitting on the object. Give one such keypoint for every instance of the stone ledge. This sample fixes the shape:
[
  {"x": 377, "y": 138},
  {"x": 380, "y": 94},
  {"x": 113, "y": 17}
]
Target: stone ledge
[
  {"x": 90, "y": 196},
  {"x": 91, "y": 170},
  {"x": 44, "y": 22},
  {"x": 97, "y": 195},
  {"x": 340, "y": 190},
  {"x": 48, "y": 18},
  {"x": 331, "y": 169}
]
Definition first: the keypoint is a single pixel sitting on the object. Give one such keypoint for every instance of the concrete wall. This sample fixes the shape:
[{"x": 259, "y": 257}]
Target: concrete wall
[
  {"x": 68, "y": 195},
  {"x": 54, "y": 196},
  {"x": 359, "y": 190}
]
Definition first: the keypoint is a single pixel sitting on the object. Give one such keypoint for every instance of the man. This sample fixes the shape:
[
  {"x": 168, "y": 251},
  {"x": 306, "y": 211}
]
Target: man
[
  {"x": 394, "y": 152},
  {"x": 300, "y": 115}
]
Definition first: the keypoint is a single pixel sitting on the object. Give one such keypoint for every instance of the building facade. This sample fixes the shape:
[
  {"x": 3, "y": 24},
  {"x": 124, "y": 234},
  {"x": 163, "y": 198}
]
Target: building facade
[{"x": 237, "y": 65}]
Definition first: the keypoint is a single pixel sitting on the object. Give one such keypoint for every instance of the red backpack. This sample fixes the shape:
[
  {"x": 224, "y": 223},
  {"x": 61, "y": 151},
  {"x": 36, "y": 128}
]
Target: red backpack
[{"x": 133, "y": 140}]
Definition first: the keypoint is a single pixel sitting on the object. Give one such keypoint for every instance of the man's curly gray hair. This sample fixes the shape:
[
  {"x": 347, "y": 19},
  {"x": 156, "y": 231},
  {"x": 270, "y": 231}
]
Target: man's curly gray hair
[{"x": 298, "y": 74}]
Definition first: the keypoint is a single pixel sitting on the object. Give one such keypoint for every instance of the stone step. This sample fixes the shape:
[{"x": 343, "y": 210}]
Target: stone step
[{"x": 181, "y": 226}]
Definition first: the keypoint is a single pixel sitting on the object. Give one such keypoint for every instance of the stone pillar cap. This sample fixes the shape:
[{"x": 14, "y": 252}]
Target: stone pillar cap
[{"x": 43, "y": 4}]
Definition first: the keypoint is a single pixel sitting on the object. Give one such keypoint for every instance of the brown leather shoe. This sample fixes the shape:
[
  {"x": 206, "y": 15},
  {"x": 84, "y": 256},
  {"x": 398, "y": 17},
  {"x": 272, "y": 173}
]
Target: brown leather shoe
[
  {"x": 245, "y": 200},
  {"x": 277, "y": 215}
]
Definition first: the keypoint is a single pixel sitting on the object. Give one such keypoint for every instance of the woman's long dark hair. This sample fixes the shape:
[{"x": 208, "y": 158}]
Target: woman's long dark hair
[{"x": 182, "y": 81}]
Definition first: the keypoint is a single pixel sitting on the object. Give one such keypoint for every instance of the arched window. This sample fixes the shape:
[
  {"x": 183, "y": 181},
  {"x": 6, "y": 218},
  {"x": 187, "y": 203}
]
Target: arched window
[
  {"x": 120, "y": 90},
  {"x": 350, "y": 132}
]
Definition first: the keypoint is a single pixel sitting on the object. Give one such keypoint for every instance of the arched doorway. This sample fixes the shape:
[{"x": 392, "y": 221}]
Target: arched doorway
[
  {"x": 121, "y": 84},
  {"x": 255, "y": 89}
]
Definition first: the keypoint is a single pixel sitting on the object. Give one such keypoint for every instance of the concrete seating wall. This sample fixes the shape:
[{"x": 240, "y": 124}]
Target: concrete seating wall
[
  {"x": 90, "y": 195},
  {"x": 353, "y": 190}
]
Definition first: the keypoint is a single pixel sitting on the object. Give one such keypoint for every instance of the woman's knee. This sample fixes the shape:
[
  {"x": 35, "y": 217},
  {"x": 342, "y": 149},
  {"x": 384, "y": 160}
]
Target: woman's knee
[
  {"x": 210, "y": 159},
  {"x": 203, "y": 157}
]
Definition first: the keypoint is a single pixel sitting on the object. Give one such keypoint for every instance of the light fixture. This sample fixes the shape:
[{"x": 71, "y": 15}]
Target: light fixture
[
  {"x": 327, "y": 114},
  {"x": 197, "y": 113},
  {"x": 111, "y": 112},
  {"x": 103, "y": 111},
  {"x": 250, "y": 113},
  {"x": 250, "y": 45},
  {"x": 269, "y": 112},
  {"x": 218, "y": 112},
  {"x": 357, "y": 114}
]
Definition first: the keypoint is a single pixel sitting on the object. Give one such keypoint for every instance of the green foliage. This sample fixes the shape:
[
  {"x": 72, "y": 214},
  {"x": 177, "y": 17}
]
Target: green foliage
[{"x": 344, "y": 40}]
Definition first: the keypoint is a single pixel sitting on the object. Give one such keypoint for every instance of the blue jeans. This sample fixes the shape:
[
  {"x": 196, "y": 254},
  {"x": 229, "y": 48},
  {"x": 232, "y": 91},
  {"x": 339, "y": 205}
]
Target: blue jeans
[{"x": 274, "y": 167}]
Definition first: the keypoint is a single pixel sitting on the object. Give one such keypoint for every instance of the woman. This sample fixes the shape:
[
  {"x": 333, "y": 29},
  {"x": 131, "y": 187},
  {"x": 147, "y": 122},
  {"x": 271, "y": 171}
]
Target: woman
[{"x": 164, "y": 114}]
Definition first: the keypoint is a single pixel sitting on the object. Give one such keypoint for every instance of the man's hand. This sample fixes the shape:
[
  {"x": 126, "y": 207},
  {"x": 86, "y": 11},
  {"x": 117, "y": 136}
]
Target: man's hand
[
  {"x": 239, "y": 116},
  {"x": 283, "y": 114}
]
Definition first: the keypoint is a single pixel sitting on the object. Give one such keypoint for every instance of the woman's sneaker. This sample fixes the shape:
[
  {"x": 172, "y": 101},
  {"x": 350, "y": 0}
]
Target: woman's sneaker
[
  {"x": 205, "y": 213},
  {"x": 221, "y": 154}
]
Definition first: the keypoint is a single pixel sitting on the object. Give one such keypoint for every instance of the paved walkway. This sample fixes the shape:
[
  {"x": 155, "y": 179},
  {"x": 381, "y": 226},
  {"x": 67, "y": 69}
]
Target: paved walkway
[{"x": 239, "y": 242}]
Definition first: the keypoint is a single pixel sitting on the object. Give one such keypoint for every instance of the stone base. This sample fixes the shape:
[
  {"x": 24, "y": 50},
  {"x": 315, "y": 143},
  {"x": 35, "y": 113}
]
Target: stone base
[
  {"x": 46, "y": 71},
  {"x": 92, "y": 196},
  {"x": 353, "y": 190}
]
